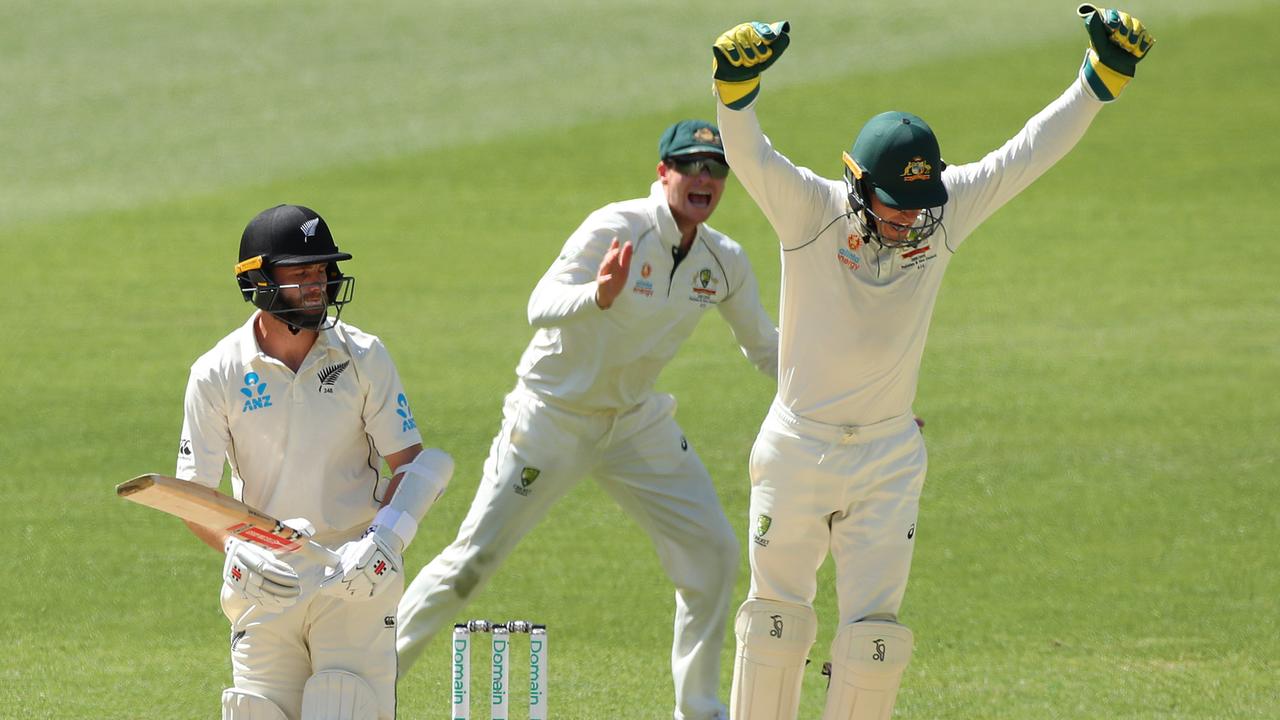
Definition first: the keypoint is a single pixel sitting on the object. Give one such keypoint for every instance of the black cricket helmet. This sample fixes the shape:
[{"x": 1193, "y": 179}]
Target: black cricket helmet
[
  {"x": 291, "y": 235},
  {"x": 896, "y": 157}
]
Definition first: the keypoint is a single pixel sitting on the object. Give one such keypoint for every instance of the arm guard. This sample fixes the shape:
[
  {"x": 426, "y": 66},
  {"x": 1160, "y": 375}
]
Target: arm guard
[{"x": 422, "y": 482}]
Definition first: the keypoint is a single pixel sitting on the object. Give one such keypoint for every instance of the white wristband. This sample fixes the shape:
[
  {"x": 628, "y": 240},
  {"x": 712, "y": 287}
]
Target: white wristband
[{"x": 403, "y": 525}]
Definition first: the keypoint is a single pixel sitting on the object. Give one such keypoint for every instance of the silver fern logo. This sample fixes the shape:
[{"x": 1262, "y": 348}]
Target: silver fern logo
[
  {"x": 329, "y": 376},
  {"x": 309, "y": 229}
]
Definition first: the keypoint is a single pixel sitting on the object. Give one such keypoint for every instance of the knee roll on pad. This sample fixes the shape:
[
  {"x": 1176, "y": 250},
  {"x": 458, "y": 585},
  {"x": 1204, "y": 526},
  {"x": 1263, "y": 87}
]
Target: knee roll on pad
[
  {"x": 243, "y": 705},
  {"x": 773, "y": 640},
  {"x": 867, "y": 662},
  {"x": 338, "y": 695}
]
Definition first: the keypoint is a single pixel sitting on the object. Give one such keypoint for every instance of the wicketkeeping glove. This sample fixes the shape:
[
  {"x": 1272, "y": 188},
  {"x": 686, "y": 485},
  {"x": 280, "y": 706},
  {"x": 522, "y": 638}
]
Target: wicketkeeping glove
[
  {"x": 258, "y": 575},
  {"x": 1117, "y": 41},
  {"x": 740, "y": 54}
]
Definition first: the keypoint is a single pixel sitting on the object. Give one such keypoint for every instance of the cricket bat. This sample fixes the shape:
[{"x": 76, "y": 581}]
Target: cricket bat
[{"x": 205, "y": 506}]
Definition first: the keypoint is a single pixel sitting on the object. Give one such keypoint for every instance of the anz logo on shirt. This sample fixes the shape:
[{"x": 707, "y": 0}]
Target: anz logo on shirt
[
  {"x": 406, "y": 415},
  {"x": 255, "y": 392}
]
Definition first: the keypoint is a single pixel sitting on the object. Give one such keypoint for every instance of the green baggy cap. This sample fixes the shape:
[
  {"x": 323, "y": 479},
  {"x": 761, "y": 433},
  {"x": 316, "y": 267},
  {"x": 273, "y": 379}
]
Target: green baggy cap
[
  {"x": 688, "y": 137},
  {"x": 899, "y": 156}
]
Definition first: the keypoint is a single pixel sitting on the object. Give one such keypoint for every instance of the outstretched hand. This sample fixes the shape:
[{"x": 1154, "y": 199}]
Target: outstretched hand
[
  {"x": 611, "y": 278},
  {"x": 1117, "y": 42},
  {"x": 740, "y": 54}
]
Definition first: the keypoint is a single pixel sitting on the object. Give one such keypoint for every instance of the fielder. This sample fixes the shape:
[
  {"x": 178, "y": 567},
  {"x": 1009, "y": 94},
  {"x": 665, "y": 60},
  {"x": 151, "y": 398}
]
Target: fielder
[
  {"x": 838, "y": 465},
  {"x": 629, "y": 287},
  {"x": 305, "y": 408}
]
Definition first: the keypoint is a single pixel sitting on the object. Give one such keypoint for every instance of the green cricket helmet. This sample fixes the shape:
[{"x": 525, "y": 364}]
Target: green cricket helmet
[
  {"x": 896, "y": 157},
  {"x": 292, "y": 235}
]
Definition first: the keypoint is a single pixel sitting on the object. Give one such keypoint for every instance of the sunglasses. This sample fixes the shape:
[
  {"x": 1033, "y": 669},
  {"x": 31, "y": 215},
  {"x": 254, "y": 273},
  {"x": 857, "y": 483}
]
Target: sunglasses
[{"x": 693, "y": 166}]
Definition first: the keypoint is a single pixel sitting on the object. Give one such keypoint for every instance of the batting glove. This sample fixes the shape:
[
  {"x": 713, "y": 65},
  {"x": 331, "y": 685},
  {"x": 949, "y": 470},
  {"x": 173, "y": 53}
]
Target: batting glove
[
  {"x": 259, "y": 576},
  {"x": 740, "y": 54},
  {"x": 368, "y": 565},
  {"x": 1117, "y": 41}
]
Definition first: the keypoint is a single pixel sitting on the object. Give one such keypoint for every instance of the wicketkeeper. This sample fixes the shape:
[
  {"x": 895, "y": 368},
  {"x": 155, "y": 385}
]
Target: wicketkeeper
[
  {"x": 305, "y": 409},
  {"x": 628, "y": 288},
  {"x": 838, "y": 465}
]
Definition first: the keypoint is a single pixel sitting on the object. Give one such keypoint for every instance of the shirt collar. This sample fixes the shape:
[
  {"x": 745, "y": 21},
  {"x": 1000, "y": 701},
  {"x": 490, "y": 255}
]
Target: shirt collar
[
  {"x": 666, "y": 221},
  {"x": 248, "y": 341}
]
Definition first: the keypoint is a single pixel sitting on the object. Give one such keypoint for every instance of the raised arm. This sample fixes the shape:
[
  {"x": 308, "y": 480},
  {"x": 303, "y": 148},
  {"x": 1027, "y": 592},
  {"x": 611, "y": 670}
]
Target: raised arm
[
  {"x": 790, "y": 197},
  {"x": 590, "y": 272},
  {"x": 982, "y": 187}
]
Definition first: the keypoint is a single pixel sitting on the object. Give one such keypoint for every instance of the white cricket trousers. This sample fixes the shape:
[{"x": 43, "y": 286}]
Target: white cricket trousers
[
  {"x": 851, "y": 491},
  {"x": 641, "y": 458},
  {"x": 273, "y": 653}
]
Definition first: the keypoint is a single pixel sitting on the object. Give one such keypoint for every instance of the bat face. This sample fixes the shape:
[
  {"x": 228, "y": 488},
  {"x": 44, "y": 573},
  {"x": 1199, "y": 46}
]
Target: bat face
[{"x": 210, "y": 508}]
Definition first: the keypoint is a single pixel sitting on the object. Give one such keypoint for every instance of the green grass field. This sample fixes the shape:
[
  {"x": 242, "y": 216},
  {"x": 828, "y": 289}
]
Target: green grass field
[{"x": 1102, "y": 383}]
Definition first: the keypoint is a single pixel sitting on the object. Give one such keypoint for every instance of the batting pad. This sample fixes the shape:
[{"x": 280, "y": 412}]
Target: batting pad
[
  {"x": 243, "y": 705},
  {"x": 338, "y": 695},
  {"x": 773, "y": 640},
  {"x": 867, "y": 662}
]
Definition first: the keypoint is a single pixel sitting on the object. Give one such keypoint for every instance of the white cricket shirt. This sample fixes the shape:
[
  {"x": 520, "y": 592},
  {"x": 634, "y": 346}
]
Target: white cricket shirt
[
  {"x": 854, "y": 316},
  {"x": 306, "y": 444},
  {"x": 591, "y": 359}
]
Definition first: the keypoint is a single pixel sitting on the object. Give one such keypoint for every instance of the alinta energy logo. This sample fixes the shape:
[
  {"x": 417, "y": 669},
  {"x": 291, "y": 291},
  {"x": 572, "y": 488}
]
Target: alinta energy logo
[
  {"x": 329, "y": 376},
  {"x": 255, "y": 393}
]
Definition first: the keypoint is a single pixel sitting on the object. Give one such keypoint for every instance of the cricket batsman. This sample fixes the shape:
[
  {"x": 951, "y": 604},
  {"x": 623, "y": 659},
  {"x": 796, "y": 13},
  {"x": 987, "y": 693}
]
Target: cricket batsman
[
  {"x": 305, "y": 409},
  {"x": 838, "y": 464}
]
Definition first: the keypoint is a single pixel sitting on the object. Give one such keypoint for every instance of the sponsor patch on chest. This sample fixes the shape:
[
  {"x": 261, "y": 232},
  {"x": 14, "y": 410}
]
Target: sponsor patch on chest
[
  {"x": 918, "y": 257},
  {"x": 706, "y": 287},
  {"x": 255, "y": 393},
  {"x": 848, "y": 255}
]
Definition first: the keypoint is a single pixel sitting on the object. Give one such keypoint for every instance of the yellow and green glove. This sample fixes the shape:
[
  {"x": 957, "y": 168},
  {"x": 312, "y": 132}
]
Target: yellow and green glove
[
  {"x": 740, "y": 54},
  {"x": 1117, "y": 41}
]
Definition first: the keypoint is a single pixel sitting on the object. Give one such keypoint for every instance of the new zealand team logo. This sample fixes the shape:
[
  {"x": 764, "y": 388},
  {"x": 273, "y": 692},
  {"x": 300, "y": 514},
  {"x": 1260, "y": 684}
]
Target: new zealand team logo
[
  {"x": 329, "y": 376},
  {"x": 406, "y": 415},
  {"x": 308, "y": 229},
  {"x": 255, "y": 393}
]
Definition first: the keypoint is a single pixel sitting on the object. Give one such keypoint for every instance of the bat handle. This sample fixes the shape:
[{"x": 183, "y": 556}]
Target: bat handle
[{"x": 330, "y": 560}]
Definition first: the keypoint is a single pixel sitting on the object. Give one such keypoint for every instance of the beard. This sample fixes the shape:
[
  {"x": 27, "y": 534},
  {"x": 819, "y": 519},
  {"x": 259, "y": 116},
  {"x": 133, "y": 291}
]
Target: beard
[{"x": 308, "y": 316}]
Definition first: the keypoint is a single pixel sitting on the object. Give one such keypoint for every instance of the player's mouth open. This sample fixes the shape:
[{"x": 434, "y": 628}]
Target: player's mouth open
[{"x": 700, "y": 199}]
